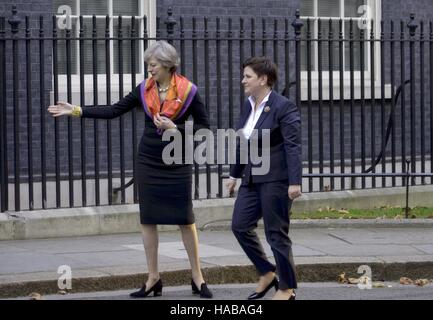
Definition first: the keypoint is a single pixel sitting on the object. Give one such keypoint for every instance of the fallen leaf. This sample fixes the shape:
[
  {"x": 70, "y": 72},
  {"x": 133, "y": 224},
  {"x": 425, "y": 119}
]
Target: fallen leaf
[
  {"x": 405, "y": 281},
  {"x": 354, "y": 280},
  {"x": 36, "y": 296},
  {"x": 421, "y": 282},
  {"x": 342, "y": 278},
  {"x": 398, "y": 217},
  {"x": 343, "y": 212},
  {"x": 364, "y": 280},
  {"x": 378, "y": 285}
]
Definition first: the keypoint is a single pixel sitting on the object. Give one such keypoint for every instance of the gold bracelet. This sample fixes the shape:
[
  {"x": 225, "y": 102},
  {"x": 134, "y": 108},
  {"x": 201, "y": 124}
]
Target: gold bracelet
[{"x": 76, "y": 111}]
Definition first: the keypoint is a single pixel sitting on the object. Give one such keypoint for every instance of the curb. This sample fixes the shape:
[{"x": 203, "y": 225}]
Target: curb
[
  {"x": 223, "y": 275},
  {"x": 224, "y": 225}
]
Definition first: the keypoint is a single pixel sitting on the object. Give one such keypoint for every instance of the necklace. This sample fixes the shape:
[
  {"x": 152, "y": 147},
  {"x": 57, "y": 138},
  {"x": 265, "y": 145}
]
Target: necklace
[{"x": 163, "y": 89}]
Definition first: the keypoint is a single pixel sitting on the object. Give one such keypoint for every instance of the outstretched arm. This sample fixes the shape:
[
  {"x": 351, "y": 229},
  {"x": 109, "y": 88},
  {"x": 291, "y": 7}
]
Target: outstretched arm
[{"x": 124, "y": 105}]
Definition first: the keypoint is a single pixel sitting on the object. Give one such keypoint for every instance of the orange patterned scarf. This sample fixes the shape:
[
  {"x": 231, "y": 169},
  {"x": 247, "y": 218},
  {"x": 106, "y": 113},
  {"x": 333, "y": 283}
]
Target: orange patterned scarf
[{"x": 177, "y": 101}]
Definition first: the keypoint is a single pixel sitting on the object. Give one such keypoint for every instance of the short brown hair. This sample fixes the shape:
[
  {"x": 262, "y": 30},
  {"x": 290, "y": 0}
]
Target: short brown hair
[{"x": 263, "y": 66}]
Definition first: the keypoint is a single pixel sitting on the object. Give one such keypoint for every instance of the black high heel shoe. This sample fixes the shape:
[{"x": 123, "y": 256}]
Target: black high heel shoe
[
  {"x": 293, "y": 296},
  {"x": 142, "y": 293},
  {"x": 204, "y": 291},
  {"x": 258, "y": 295}
]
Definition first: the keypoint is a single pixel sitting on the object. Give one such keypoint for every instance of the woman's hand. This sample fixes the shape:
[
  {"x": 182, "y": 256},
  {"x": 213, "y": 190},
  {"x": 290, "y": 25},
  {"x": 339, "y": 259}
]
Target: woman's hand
[
  {"x": 230, "y": 185},
  {"x": 294, "y": 192},
  {"x": 61, "y": 109},
  {"x": 163, "y": 123}
]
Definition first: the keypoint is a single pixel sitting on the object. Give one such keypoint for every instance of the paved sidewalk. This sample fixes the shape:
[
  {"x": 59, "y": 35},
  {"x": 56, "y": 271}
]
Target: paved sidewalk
[{"x": 115, "y": 262}]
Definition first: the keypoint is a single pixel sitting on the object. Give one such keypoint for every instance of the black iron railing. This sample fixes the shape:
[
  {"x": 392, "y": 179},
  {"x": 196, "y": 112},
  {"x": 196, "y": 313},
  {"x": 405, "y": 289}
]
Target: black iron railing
[{"x": 365, "y": 95}]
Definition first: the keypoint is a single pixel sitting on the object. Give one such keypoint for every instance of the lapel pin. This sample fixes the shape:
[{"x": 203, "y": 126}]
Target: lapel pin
[{"x": 267, "y": 109}]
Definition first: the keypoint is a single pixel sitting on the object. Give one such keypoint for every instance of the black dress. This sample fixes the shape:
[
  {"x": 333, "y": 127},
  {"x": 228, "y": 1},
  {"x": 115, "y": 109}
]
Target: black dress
[{"x": 164, "y": 190}]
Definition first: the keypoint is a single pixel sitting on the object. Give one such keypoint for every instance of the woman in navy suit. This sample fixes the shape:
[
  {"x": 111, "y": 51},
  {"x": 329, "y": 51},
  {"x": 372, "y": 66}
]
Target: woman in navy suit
[{"x": 270, "y": 194}]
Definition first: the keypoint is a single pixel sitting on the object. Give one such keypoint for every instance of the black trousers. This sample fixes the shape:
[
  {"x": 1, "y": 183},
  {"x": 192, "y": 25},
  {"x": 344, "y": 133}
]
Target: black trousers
[{"x": 270, "y": 201}]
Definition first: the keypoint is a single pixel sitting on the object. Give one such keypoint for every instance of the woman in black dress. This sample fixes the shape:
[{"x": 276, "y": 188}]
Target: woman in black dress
[{"x": 165, "y": 193}]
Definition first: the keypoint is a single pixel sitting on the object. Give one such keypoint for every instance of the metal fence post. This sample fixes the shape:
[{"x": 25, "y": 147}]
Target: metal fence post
[
  {"x": 15, "y": 22},
  {"x": 3, "y": 163},
  {"x": 412, "y": 31},
  {"x": 297, "y": 25},
  {"x": 407, "y": 176}
]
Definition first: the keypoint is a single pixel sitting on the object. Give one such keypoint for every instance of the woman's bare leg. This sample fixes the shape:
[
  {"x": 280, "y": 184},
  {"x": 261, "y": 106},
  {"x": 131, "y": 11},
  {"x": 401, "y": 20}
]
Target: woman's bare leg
[
  {"x": 150, "y": 242},
  {"x": 190, "y": 241}
]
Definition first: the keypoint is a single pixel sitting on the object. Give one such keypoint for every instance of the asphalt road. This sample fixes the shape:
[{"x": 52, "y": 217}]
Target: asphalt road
[{"x": 306, "y": 291}]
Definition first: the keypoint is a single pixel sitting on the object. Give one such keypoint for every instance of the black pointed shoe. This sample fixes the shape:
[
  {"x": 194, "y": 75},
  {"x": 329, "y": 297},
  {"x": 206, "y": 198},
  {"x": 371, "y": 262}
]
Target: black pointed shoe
[
  {"x": 293, "y": 296},
  {"x": 142, "y": 293},
  {"x": 204, "y": 291},
  {"x": 258, "y": 295}
]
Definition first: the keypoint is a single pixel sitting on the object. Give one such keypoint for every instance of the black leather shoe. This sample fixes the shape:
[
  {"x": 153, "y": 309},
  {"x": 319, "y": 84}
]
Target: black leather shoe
[
  {"x": 258, "y": 295},
  {"x": 204, "y": 291},
  {"x": 293, "y": 297},
  {"x": 142, "y": 293}
]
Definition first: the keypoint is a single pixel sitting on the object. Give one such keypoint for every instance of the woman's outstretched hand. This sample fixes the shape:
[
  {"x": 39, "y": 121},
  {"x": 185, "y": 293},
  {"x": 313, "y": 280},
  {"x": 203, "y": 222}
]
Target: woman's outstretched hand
[{"x": 61, "y": 109}]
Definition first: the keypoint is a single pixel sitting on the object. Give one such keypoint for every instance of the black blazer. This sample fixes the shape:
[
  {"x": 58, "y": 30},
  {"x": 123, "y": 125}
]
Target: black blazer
[{"x": 284, "y": 122}]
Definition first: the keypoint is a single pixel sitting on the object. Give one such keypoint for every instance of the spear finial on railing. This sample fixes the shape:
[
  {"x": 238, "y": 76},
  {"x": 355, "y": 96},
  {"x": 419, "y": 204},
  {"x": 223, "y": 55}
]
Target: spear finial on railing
[
  {"x": 412, "y": 25},
  {"x": 170, "y": 22},
  {"x": 15, "y": 20},
  {"x": 297, "y": 24}
]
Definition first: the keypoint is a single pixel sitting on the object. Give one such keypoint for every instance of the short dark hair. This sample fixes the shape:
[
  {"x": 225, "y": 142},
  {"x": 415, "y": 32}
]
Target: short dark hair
[{"x": 263, "y": 66}]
